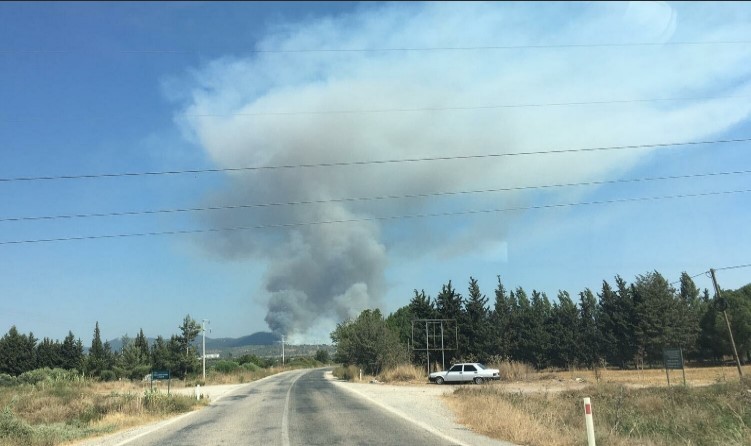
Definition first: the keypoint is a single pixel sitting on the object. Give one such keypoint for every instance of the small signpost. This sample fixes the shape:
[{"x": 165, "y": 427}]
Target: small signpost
[
  {"x": 673, "y": 359},
  {"x": 161, "y": 375}
]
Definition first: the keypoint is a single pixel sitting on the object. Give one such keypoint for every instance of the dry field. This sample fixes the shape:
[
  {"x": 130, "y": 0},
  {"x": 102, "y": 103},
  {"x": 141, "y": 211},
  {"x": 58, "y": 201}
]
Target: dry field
[{"x": 629, "y": 408}]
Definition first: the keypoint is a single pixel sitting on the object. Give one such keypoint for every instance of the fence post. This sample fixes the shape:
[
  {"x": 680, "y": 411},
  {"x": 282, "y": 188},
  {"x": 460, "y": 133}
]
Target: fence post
[{"x": 590, "y": 423}]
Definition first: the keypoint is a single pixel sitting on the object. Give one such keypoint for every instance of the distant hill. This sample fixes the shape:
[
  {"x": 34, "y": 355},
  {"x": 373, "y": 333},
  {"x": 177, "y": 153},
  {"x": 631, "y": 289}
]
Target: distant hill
[{"x": 258, "y": 338}]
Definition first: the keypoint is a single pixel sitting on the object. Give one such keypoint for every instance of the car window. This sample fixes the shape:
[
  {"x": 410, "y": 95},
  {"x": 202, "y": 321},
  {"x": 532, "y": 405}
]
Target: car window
[
  {"x": 469, "y": 368},
  {"x": 481, "y": 366},
  {"x": 456, "y": 368}
]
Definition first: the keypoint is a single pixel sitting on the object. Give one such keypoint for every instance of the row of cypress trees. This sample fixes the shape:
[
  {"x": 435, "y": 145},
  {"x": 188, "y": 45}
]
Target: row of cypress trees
[{"x": 624, "y": 325}]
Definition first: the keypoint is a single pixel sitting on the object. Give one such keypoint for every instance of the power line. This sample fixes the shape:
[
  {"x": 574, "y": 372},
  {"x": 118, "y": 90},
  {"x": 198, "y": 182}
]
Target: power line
[
  {"x": 371, "y": 198},
  {"x": 370, "y": 162},
  {"x": 372, "y": 219},
  {"x": 748, "y": 265},
  {"x": 391, "y": 49},
  {"x": 436, "y": 109}
]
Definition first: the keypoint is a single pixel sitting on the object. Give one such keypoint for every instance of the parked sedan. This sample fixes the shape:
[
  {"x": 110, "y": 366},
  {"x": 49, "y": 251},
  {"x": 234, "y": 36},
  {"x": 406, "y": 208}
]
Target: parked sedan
[{"x": 465, "y": 372}]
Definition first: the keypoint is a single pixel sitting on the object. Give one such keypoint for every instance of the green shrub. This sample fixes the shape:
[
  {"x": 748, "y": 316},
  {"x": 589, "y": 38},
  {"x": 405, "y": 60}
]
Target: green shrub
[
  {"x": 7, "y": 380},
  {"x": 108, "y": 375},
  {"x": 251, "y": 367},
  {"x": 13, "y": 428},
  {"x": 33, "y": 376},
  {"x": 226, "y": 366}
]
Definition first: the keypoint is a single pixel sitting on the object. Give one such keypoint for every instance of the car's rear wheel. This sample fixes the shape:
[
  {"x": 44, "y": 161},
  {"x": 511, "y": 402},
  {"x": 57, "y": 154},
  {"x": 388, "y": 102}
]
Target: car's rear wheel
[
  {"x": 479, "y": 380},
  {"x": 439, "y": 380}
]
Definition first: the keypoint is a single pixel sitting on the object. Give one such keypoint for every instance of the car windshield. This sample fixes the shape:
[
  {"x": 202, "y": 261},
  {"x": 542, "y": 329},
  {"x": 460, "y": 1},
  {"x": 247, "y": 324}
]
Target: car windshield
[{"x": 211, "y": 192}]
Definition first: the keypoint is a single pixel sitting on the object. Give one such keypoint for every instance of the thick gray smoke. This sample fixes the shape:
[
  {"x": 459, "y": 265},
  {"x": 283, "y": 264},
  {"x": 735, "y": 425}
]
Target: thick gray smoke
[{"x": 291, "y": 108}]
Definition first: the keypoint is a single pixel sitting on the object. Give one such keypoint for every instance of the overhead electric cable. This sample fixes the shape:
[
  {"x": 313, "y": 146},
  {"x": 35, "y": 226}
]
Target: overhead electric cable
[
  {"x": 371, "y": 198},
  {"x": 460, "y": 107},
  {"x": 371, "y": 219},
  {"x": 372, "y": 162},
  {"x": 390, "y": 49},
  {"x": 748, "y": 265}
]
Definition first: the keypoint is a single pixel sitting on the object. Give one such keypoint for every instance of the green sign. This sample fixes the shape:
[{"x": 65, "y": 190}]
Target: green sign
[
  {"x": 160, "y": 374},
  {"x": 673, "y": 358}
]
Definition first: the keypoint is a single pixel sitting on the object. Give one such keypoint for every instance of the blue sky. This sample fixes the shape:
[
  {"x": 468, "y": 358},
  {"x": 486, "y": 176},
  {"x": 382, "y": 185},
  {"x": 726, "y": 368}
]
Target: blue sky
[{"x": 106, "y": 88}]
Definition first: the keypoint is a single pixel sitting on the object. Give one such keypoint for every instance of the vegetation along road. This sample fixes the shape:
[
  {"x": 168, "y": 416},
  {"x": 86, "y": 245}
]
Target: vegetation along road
[{"x": 300, "y": 407}]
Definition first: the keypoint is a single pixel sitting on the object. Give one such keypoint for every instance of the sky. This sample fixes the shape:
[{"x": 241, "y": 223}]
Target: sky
[{"x": 283, "y": 166}]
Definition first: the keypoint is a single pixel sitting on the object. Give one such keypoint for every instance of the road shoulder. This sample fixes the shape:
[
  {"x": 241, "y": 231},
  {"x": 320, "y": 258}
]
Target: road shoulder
[{"x": 421, "y": 405}]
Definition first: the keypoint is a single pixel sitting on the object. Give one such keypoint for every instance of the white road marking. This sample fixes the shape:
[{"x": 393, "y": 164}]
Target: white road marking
[{"x": 285, "y": 414}]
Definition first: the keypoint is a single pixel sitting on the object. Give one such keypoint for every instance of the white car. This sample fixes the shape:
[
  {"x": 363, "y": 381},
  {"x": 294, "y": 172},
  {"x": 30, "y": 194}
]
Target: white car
[{"x": 465, "y": 372}]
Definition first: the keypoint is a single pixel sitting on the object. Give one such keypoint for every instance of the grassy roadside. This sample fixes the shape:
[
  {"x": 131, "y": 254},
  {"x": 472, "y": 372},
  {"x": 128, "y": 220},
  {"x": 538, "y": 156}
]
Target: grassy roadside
[
  {"x": 716, "y": 414},
  {"x": 633, "y": 407},
  {"x": 51, "y": 407},
  {"x": 56, "y": 406}
]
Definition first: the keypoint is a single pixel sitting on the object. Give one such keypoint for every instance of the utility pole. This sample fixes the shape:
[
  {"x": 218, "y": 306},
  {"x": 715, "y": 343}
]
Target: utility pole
[
  {"x": 203, "y": 355},
  {"x": 727, "y": 321},
  {"x": 282, "y": 350}
]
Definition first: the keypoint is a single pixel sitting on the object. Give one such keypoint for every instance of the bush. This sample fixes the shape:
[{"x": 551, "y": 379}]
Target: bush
[
  {"x": 108, "y": 375},
  {"x": 251, "y": 367},
  {"x": 322, "y": 356},
  {"x": 13, "y": 428},
  {"x": 226, "y": 366},
  {"x": 349, "y": 373},
  {"x": 403, "y": 373},
  {"x": 7, "y": 380}
]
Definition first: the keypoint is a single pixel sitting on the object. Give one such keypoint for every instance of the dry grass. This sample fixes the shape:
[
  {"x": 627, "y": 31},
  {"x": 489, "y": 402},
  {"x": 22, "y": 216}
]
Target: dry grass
[
  {"x": 49, "y": 413},
  {"x": 717, "y": 414},
  {"x": 403, "y": 373},
  {"x": 651, "y": 377}
]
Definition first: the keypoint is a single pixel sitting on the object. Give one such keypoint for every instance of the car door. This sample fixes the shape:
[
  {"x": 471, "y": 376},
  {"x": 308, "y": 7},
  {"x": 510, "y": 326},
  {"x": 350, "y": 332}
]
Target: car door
[
  {"x": 454, "y": 374},
  {"x": 470, "y": 372}
]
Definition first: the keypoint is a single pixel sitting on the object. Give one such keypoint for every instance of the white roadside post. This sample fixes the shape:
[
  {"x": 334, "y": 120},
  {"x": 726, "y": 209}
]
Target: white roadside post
[
  {"x": 198, "y": 391},
  {"x": 590, "y": 423}
]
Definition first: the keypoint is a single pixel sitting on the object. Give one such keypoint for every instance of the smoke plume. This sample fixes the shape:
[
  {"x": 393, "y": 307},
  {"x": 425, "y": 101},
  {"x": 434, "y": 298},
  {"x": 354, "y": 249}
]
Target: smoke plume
[{"x": 282, "y": 106}]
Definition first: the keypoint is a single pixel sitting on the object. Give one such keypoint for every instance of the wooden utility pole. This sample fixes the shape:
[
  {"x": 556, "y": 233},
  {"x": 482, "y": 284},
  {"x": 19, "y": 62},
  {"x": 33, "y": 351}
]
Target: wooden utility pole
[{"x": 727, "y": 321}]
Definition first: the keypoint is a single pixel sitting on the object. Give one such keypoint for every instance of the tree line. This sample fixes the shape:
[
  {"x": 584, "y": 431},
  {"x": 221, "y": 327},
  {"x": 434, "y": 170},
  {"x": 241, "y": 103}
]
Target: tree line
[
  {"x": 624, "y": 325},
  {"x": 21, "y": 353}
]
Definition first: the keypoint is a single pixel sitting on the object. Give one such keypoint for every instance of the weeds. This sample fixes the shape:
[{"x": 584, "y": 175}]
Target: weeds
[{"x": 710, "y": 415}]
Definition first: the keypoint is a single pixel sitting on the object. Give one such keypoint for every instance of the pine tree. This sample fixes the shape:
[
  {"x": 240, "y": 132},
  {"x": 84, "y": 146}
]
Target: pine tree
[
  {"x": 450, "y": 305},
  {"x": 17, "y": 352},
  {"x": 477, "y": 329},
  {"x": 616, "y": 323},
  {"x": 690, "y": 309},
  {"x": 524, "y": 323},
  {"x": 563, "y": 332},
  {"x": 97, "y": 360},
  {"x": 501, "y": 317},
  {"x": 657, "y": 311},
  {"x": 420, "y": 307},
  {"x": 49, "y": 354},
  {"x": 589, "y": 335},
  {"x": 188, "y": 357},
  {"x": 540, "y": 335},
  {"x": 71, "y": 353}
]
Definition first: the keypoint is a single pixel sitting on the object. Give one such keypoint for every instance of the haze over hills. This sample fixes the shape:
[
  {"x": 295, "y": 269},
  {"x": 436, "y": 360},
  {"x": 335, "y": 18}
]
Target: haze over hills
[{"x": 263, "y": 338}]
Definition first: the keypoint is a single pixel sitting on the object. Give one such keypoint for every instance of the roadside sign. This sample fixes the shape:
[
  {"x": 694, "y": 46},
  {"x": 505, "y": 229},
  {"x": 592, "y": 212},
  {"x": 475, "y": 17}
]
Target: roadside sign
[
  {"x": 673, "y": 359},
  {"x": 160, "y": 374}
]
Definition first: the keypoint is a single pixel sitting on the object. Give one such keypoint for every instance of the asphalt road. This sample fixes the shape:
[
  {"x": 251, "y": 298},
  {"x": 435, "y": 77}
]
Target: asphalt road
[{"x": 295, "y": 408}]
